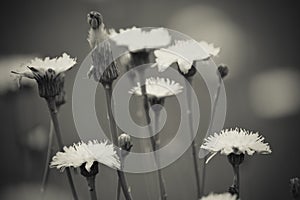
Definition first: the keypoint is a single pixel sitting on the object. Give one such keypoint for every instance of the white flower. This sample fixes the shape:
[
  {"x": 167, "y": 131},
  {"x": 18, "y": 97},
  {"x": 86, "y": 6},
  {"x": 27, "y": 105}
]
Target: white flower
[
  {"x": 88, "y": 153},
  {"x": 138, "y": 39},
  {"x": 184, "y": 52},
  {"x": 158, "y": 87},
  {"x": 39, "y": 66},
  {"x": 224, "y": 196},
  {"x": 235, "y": 141}
]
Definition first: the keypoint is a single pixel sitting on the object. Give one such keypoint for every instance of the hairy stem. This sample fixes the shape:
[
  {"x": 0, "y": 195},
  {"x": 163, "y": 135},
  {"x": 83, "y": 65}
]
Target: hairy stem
[
  {"x": 53, "y": 113},
  {"x": 113, "y": 130}
]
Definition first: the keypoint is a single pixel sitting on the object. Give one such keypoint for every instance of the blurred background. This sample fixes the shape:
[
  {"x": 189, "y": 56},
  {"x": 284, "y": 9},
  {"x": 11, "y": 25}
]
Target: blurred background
[{"x": 259, "y": 42}]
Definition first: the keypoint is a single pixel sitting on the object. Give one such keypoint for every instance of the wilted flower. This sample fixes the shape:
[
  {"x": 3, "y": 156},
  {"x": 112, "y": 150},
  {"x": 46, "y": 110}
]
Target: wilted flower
[
  {"x": 158, "y": 87},
  {"x": 138, "y": 39},
  {"x": 184, "y": 52},
  {"x": 97, "y": 32},
  {"x": 104, "y": 69},
  {"x": 236, "y": 141},
  {"x": 224, "y": 196},
  {"x": 86, "y": 153},
  {"x": 49, "y": 73}
]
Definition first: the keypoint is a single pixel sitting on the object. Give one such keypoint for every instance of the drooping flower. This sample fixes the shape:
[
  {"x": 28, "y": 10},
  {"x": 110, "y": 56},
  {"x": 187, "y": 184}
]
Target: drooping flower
[
  {"x": 184, "y": 52},
  {"x": 158, "y": 87},
  {"x": 49, "y": 73},
  {"x": 86, "y": 153},
  {"x": 137, "y": 39},
  {"x": 224, "y": 196},
  {"x": 237, "y": 141}
]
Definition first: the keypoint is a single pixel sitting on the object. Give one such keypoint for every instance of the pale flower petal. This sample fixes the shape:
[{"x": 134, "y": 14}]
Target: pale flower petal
[
  {"x": 158, "y": 87},
  {"x": 236, "y": 141}
]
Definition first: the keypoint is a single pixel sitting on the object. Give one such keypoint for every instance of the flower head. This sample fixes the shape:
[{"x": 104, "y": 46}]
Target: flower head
[
  {"x": 224, "y": 196},
  {"x": 158, "y": 87},
  {"x": 184, "y": 52},
  {"x": 138, "y": 39},
  {"x": 86, "y": 153},
  {"x": 237, "y": 141},
  {"x": 104, "y": 69},
  {"x": 49, "y": 73}
]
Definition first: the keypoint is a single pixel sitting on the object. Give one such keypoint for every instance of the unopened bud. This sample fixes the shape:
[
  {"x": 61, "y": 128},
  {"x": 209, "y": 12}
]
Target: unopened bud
[
  {"x": 125, "y": 142},
  {"x": 223, "y": 70}
]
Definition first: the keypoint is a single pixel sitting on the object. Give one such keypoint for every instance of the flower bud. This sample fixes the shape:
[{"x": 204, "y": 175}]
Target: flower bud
[
  {"x": 94, "y": 19},
  {"x": 125, "y": 142},
  {"x": 223, "y": 70}
]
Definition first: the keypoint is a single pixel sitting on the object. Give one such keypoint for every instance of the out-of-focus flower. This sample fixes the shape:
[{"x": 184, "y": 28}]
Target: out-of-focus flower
[
  {"x": 158, "y": 87},
  {"x": 86, "y": 153},
  {"x": 184, "y": 52},
  {"x": 138, "y": 39},
  {"x": 224, "y": 196},
  {"x": 49, "y": 73},
  {"x": 236, "y": 141},
  {"x": 295, "y": 187},
  {"x": 104, "y": 69},
  {"x": 8, "y": 82}
]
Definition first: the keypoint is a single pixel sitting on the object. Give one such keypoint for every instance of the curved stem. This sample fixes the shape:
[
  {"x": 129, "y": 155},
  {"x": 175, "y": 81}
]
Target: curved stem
[
  {"x": 194, "y": 145},
  {"x": 113, "y": 130},
  {"x": 53, "y": 113},
  {"x": 213, "y": 113},
  {"x": 49, "y": 152}
]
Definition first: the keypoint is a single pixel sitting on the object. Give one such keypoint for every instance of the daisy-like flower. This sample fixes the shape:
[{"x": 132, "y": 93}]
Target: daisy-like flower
[
  {"x": 158, "y": 87},
  {"x": 236, "y": 141},
  {"x": 138, "y": 39},
  {"x": 86, "y": 153},
  {"x": 48, "y": 73},
  {"x": 184, "y": 53},
  {"x": 224, "y": 196}
]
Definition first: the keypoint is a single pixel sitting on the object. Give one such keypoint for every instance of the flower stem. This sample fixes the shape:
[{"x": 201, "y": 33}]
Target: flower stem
[
  {"x": 213, "y": 113},
  {"x": 49, "y": 152},
  {"x": 53, "y": 113},
  {"x": 236, "y": 179},
  {"x": 113, "y": 130},
  {"x": 162, "y": 187},
  {"x": 91, "y": 183},
  {"x": 194, "y": 145}
]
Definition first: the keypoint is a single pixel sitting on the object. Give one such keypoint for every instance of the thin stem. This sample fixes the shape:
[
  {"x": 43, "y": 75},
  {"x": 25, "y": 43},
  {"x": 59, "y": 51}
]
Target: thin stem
[
  {"x": 162, "y": 186},
  {"x": 236, "y": 179},
  {"x": 53, "y": 113},
  {"x": 91, "y": 184},
  {"x": 194, "y": 145},
  {"x": 213, "y": 113},
  {"x": 113, "y": 130},
  {"x": 49, "y": 152}
]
